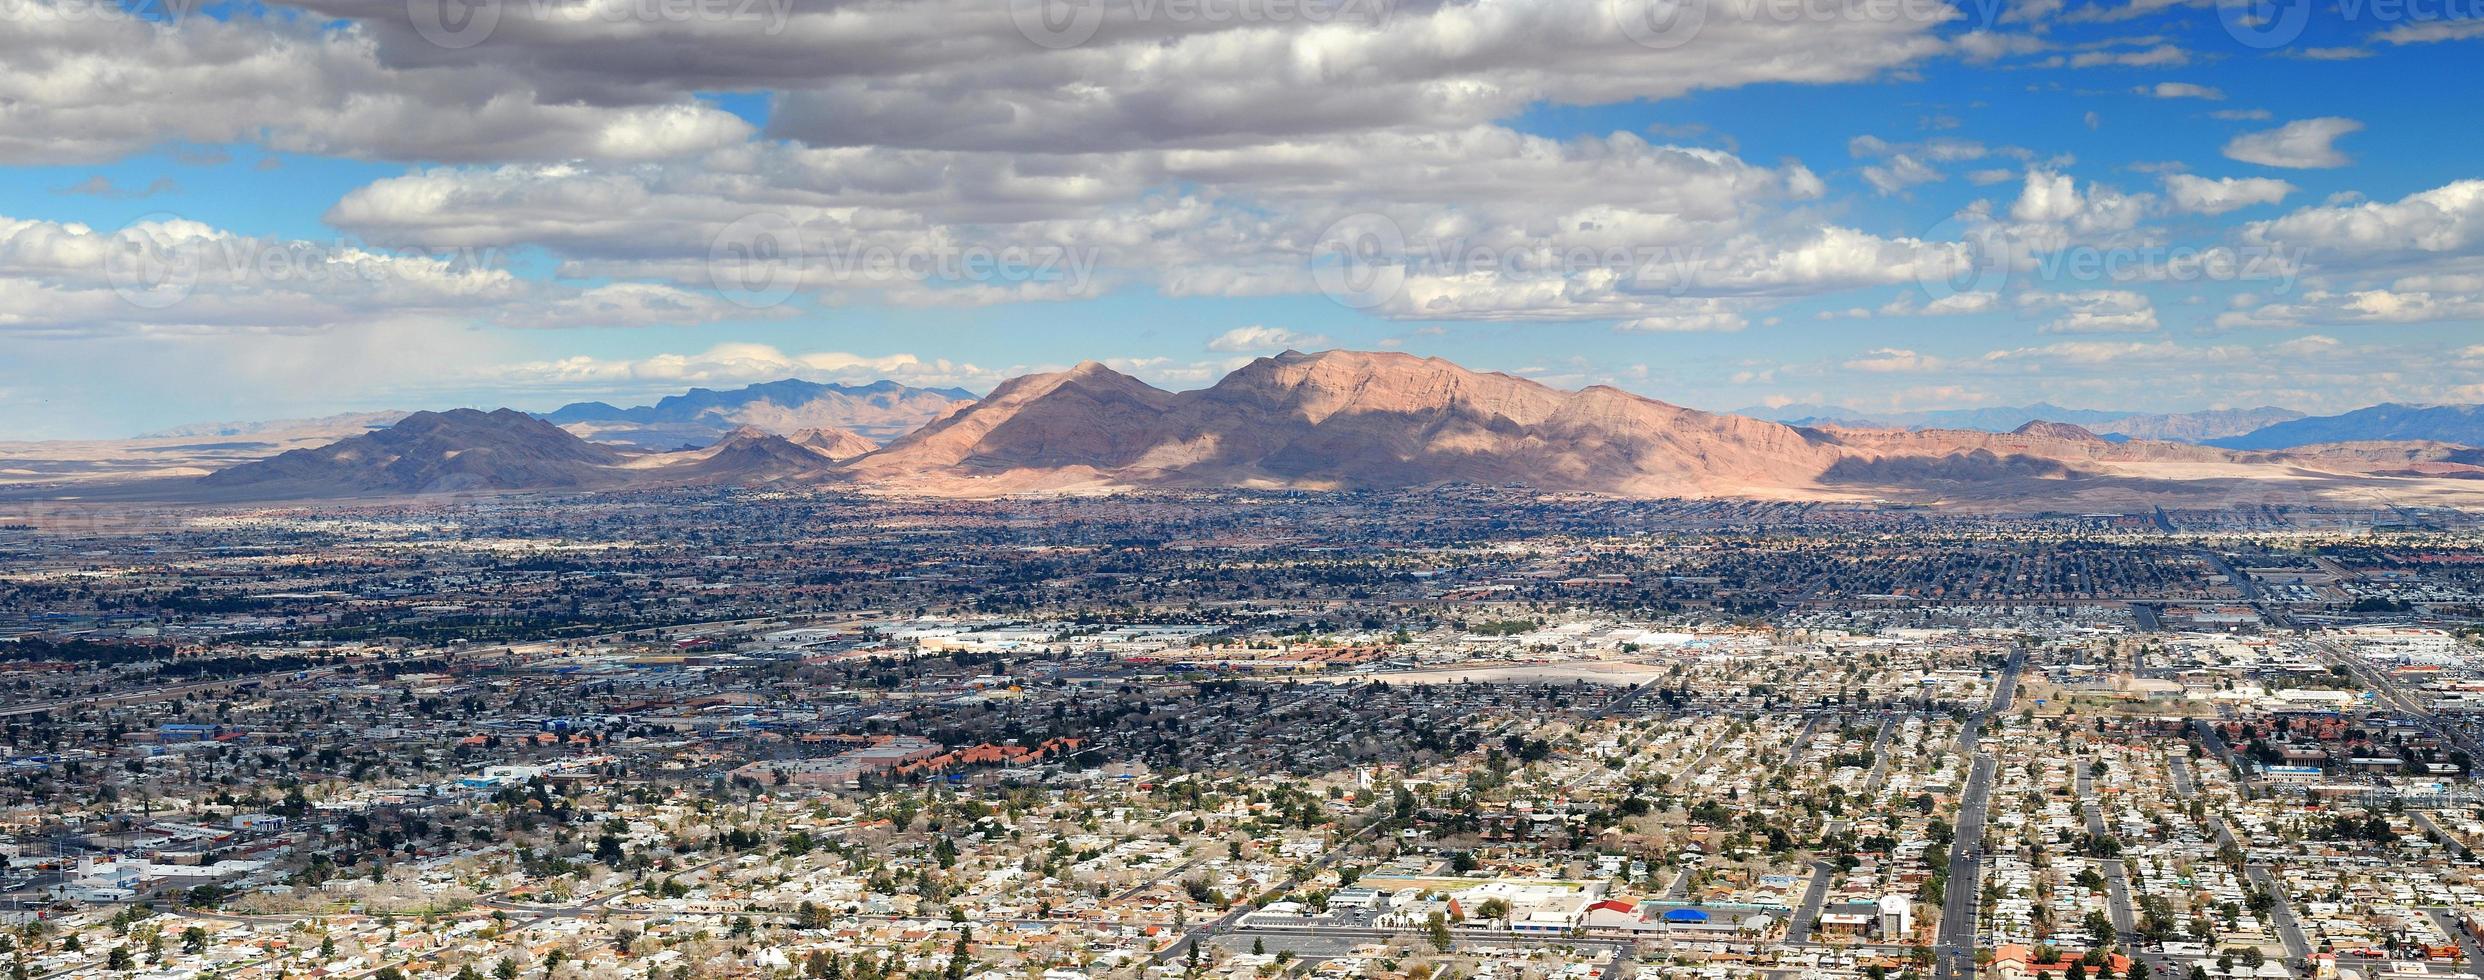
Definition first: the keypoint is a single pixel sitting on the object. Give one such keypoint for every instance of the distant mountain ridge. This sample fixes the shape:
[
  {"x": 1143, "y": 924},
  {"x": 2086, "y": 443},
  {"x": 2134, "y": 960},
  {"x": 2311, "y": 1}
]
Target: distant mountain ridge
[
  {"x": 2461, "y": 425},
  {"x": 1998, "y": 419},
  {"x": 1353, "y": 420},
  {"x": 879, "y": 411},
  {"x": 431, "y": 452},
  {"x": 470, "y": 451},
  {"x": 2177, "y": 427}
]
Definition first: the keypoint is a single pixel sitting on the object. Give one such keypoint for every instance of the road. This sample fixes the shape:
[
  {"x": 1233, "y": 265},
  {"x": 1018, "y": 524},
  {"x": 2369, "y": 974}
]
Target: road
[
  {"x": 2396, "y": 695},
  {"x": 2447, "y": 919},
  {"x": 1802, "y": 742},
  {"x": 1954, "y": 946},
  {"x": 2242, "y": 583},
  {"x": 1800, "y": 929},
  {"x": 2283, "y": 912},
  {"x": 2457, "y": 847},
  {"x": 1224, "y": 923},
  {"x": 1880, "y": 758},
  {"x": 2117, "y": 885}
]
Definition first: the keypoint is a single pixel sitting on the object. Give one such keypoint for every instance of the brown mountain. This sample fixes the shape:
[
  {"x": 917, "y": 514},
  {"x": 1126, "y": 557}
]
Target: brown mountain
[
  {"x": 746, "y": 457},
  {"x": 1341, "y": 420},
  {"x": 2040, "y": 429},
  {"x": 429, "y": 452},
  {"x": 833, "y": 443},
  {"x": 1039, "y": 431},
  {"x": 1352, "y": 420}
]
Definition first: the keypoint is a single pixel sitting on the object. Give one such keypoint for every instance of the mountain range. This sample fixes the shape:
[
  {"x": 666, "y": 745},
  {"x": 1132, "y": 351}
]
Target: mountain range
[
  {"x": 2460, "y": 424},
  {"x": 1348, "y": 420},
  {"x": 465, "y": 450},
  {"x": 879, "y": 411},
  {"x": 2178, "y": 427}
]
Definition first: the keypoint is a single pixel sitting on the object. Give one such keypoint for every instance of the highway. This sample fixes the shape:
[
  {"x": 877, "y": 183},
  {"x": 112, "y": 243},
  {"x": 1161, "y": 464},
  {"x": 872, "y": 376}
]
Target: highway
[
  {"x": 2397, "y": 696},
  {"x": 1954, "y": 948}
]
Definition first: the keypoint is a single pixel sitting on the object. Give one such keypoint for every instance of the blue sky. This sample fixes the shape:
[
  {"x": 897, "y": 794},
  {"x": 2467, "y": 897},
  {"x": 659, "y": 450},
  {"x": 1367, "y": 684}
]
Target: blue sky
[{"x": 281, "y": 211}]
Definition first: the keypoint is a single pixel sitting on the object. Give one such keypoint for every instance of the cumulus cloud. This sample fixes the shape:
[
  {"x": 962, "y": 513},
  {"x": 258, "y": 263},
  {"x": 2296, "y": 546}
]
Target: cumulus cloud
[
  {"x": 2304, "y": 144},
  {"x": 2204, "y": 195},
  {"x": 2093, "y": 311},
  {"x": 1481, "y": 223},
  {"x": 729, "y": 363},
  {"x": 168, "y": 274},
  {"x": 2444, "y": 221},
  {"x": 86, "y": 84}
]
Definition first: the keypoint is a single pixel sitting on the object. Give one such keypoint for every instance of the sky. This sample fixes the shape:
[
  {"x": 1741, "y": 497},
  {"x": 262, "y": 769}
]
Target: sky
[{"x": 225, "y": 211}]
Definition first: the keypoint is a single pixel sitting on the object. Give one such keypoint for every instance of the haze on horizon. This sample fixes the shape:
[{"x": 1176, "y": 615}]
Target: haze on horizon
[{"x": 215, "y": 211}]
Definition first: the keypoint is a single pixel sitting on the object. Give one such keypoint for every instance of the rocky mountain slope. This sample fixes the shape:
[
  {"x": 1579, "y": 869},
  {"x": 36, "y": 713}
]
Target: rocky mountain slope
[
  {"x": 879, "y": 411},
  {"x": 430, "y": 452},
  {"x": 1355, "y": 420}
]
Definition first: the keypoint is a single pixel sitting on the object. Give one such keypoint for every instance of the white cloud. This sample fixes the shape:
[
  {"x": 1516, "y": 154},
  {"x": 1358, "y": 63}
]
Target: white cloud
[
  {"x": 1890, "y": 360},
  {"x": 2203, "y": 195},
  {"x": 2093, "y": 311},
  {"x": 2367, "y": 307},
  {"x": 2301, "y": 145},
  {"x": 2433, "y": 31},
  {"x": 2181, "y": 90},
  {"x": 86, "y": 84},
  {"x": 2444, "y": 221},
  {"x": 728, "y": 364},
  {"x": 1257, "y": 339}
]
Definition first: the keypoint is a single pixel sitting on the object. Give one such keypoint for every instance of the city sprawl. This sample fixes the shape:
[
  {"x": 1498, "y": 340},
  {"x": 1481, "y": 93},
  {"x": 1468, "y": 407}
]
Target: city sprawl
[{"x": 1460, "y": 733}]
